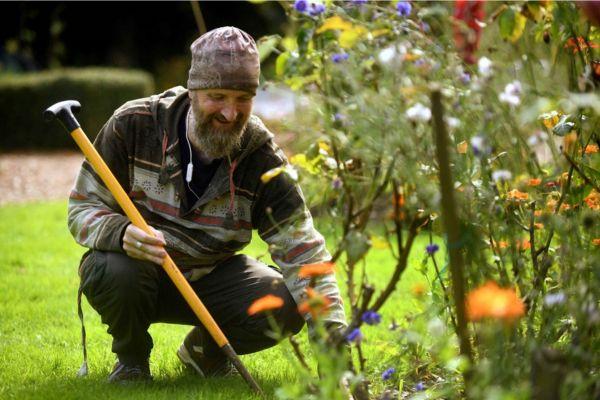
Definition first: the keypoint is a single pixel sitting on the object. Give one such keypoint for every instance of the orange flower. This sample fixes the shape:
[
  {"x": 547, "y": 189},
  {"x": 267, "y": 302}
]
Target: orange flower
[
  {"x": 398, "y": 199},
  {"x": 565, "y": 207},
  {"x": 538, "y": 225},
  {"x": 318, "y": 269},
  {"x": 265, "y": 303},
  {"x": 537, "y": 213},
  {"x": 596, "y": 242},
  {"x": 492, "y": 301},
  {"x": 593, "y": 200},
  {"x": 524, "y": 244},
  {"x": 418, "y": 289},
  {"x": 591, "y": 149},
  {"x": 534, "y": 182},
  {"x": 501, "y": 244},
  {"x": 316, "y": 304},
  {"x": 569, "y": 141},
  {"x": 461, "y": 148},
  {"x": 580, "y": 44},
  {"x": 516, "y": 195}
]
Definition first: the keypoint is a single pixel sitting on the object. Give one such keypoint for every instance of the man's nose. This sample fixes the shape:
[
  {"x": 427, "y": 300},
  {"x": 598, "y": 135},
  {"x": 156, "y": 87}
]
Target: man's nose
[{"x": 230, "y": 112}]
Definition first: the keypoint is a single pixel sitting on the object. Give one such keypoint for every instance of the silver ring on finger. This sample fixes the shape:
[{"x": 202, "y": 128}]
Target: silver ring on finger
[{"x": 138, "y": 244}]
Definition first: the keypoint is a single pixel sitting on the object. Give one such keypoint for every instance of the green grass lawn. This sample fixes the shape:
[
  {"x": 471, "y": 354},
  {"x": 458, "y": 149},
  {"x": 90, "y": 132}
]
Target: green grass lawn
[{"x": 40, "y": 349}]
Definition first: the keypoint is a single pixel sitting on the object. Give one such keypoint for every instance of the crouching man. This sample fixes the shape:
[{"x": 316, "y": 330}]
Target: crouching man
[{"x": 192, "y": 160}]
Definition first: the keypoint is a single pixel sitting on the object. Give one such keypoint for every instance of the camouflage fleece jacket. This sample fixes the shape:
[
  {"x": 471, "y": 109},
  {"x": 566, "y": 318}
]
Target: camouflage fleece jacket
[{"x": 140, "y": 145}]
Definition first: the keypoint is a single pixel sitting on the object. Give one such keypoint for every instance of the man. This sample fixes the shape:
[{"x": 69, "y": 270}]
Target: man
[{"x": 192, "y": 161}]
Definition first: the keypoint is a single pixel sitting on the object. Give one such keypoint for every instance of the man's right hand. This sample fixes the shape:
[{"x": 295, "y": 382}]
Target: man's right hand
[{"x": 138, "y": 244}]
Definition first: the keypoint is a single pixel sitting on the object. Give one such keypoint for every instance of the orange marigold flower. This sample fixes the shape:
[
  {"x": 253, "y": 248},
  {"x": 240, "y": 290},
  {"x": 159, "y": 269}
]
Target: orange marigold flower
[
  {"x": 538, "y": 225},
  {"x": 316, "y": 304},
  {"x": 565, "y": 207},
  {"x": 492, "y": 301},
  {"x": 461, "y": 148},
  {"x": 517, "y": 195},
  {"x": 569, "y": 141},
  {"x": 593, "y": 200},
  {"x": 318, "y": 269},
  {"x": 596, "y": 242},
  {"x": 501, "y": 244},
  {"x": 265, "y": 303},
  {"x": 534, "y": 182},
  {"x": 590, "y": 149},
  {"x": 418, "y": 289},
  {"x": 537, "y": 213},
  {"x": 524, "y": 244},
  {"x": 580, "y": 44}
]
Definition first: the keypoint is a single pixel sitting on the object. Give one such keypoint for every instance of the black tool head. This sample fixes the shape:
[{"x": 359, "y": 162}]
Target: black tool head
[{"x": 64, "y": 112}]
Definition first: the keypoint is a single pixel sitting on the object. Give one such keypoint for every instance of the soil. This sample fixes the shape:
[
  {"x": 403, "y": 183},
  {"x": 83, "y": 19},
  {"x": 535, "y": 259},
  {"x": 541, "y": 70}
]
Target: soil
[{"x": 37, "y": 176}]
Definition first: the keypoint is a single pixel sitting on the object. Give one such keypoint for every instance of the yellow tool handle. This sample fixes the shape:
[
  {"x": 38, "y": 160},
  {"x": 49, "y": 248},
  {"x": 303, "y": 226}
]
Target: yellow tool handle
[{"x": 136, "y": 218}]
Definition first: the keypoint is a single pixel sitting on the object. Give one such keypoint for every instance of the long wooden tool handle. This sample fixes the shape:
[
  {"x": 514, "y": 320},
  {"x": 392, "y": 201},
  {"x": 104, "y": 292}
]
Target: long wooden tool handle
[{"x": 168, "y": 265}]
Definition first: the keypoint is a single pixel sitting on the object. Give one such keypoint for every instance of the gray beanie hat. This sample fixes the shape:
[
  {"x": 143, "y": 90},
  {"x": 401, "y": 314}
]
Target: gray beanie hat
[{"x": 224, "y": 58}]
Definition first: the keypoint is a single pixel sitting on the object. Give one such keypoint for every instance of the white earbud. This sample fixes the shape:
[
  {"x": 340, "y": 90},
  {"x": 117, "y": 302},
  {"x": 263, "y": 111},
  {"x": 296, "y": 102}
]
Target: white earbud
[{"x": 189, "y": 172}]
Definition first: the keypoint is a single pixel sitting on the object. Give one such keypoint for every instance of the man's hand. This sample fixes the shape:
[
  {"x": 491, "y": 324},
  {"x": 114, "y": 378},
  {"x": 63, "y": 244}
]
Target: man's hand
[{"x": 138, "y": 244}]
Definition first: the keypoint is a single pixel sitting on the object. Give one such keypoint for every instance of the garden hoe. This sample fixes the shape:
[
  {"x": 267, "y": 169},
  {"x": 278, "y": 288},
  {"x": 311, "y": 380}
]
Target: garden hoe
[{"x": 64, "y": 112}]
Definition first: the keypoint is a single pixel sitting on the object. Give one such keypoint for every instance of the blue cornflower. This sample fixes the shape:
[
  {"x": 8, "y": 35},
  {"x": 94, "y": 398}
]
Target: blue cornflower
[
  {"x": 371, "y": 317},
  {"x": 432, "y": 248},
  {"x": 419, "y": 387},
  {"x": 403, "y": 8},
  {"x": 300, "y": 5},
  {"x": 387, "y": 374},
  {"x": 359, "y": 2},
  {"x": 339, "y": 57},
  {"x": 336, "y": 183},
  {"x": 316, "y": 9},
  {"x": 355, "y": 336}
]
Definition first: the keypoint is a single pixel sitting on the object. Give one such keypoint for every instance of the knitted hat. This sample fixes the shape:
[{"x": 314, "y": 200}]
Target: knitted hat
[{"x": 224, "y": 58}]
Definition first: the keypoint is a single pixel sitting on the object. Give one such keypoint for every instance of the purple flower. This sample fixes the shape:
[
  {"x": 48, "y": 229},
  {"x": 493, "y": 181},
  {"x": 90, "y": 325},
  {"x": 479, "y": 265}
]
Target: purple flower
[
  {"x": 316, "y": 9},
  {"x": 387, "y": 374},
  {"x": 419, "y": 387},
  {"x": 355, "y": 336},
  {"x": 371, "y": 317},
  {"x": 336, "y": 183},
  {"x": 465, "y": 78},
  {"x": 432, "y": 248},
  {"x": 425, "y": 27},
  {"x": 339, "y": 57},
  {"x": 300, "y": 5},
  {"x": 359, "y": 2},
  {"x": 403, "y": 8}
]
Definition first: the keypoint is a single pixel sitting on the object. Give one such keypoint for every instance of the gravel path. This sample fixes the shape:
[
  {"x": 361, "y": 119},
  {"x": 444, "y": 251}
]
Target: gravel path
[{"x": 27, "y": 176}]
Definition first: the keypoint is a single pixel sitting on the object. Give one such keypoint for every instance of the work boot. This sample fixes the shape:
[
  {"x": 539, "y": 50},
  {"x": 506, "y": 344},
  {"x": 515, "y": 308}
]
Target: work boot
[
  {"x": 191, "y": 354},
  {"x": 123, "y": 373}
]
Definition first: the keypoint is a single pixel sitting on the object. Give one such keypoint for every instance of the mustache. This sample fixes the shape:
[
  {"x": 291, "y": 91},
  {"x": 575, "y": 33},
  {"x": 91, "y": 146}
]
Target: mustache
[{"x": 219, "y": 117}]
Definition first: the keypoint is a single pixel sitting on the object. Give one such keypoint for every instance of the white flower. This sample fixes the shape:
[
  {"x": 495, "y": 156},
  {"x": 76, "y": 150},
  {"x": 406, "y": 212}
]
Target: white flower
[
  {"x": 478, "y": 144},
  {"x": 511, "y": 94},
  {"x": 386, "y": 55},
  {"x": 419, "y": 113},
  {"x": 537, "y": 137},
  {"x": 552, "y": 299},
  {"x": 484, "y": 65},
  {"x": 452, "y": 122},
  {"x": 501, "y": 175}
]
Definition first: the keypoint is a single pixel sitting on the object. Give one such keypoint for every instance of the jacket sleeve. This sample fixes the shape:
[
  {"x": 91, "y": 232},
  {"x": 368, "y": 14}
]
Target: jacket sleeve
[
  {"x": 95, "y": 219},
  {"x": 285, "y": 224}
]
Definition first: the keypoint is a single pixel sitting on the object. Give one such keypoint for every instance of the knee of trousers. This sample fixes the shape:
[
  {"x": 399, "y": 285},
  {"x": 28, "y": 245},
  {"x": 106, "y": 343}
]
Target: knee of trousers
[{"x": 117, "y": 279}]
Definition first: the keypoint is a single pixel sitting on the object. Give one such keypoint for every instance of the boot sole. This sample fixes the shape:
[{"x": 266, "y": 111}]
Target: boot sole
[{"x": 188, "y": 361}]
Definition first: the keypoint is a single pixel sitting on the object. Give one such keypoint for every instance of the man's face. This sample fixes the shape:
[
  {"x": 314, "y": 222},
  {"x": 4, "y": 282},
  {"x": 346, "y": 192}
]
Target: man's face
[{"x": 219, "y": 119}]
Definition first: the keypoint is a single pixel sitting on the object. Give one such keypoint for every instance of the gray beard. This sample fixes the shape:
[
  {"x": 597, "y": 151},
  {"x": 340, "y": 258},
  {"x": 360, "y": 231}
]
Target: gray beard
[{"x": 214, "y": 142}]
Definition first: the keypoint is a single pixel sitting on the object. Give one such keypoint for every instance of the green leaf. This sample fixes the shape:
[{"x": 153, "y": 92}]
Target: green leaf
[
  {"x": 507, "y": 23},
  {"x": 266, "y": 45},
  {"x": 281, "y": 63},
  {"x": 357, "y": 245}
]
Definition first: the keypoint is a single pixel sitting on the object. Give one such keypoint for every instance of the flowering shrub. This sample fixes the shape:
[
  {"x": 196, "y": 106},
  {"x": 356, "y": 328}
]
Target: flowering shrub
[{"x": 424, "y": 124}]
